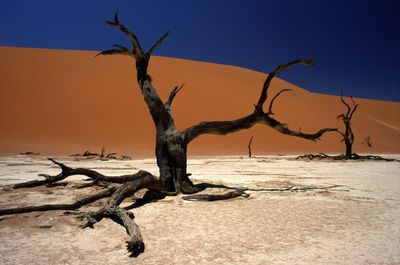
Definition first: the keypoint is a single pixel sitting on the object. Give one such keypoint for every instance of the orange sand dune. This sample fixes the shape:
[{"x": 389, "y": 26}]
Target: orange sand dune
[{"x": 63, "y": 102}]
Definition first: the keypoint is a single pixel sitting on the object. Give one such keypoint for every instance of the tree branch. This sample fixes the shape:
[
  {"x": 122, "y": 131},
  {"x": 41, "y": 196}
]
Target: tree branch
[
  {"x": 138, "y": 51},
  {"x": 121, "y": 51},
  {"x": 273, "y": 99},
  {"x": 155, "y": 46},
  {"x": 172, "y": 95},
  {"x": 216, "y": 197},
  {"x": 277, "y": 70},
  {"x": 159, "y": 113},
  {"x": 258, "y": 116},
  {"x": 347, "y": 106},
  {"x": 354, "y": 108}
]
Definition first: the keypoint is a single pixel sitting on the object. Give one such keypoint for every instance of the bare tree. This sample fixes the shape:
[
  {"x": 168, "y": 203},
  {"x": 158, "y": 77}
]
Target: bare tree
[
  {"x": 249, "y": 145},
  {"x": 171, "y": 148},
  {"x": 348, "y": 135},
  {"x": 348, "y": 139},
  {"x": 367, "y": 141}
]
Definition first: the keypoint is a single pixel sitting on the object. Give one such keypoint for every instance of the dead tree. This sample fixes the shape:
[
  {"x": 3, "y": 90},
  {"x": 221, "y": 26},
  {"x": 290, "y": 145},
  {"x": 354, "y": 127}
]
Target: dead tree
[
  {"x": 348, "y": 135},
  {"x": 171, "y": 144},
  {"x": 171, "y": 147},
  {"x": 249, "y": 145},
  {"x": 367, "y": 141}
]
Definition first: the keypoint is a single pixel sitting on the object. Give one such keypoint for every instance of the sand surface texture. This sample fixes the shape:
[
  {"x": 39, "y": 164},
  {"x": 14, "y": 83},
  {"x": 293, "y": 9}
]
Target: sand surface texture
[
  {"x": 65, "y": 102},
  {"x": 357, "y": 222}
]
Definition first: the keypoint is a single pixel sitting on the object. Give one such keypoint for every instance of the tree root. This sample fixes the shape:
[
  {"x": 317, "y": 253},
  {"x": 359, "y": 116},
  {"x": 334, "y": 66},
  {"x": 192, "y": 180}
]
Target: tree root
[
  {"x": 123, "y": 217},
  {"x": 53, "y": 207},
  {"x": 123, "y": 187},
  {"x": 97, "y": 178},
  {"x": 117, "y": 189}
]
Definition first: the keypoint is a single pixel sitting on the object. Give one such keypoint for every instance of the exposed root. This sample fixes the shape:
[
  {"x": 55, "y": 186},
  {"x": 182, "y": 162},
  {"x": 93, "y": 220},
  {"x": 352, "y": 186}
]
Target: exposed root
[
  {"x": 187, "y": 187},
  {"x": 97, "y": 178},
  {"x": 68, "y": 206},
  {"x": 121, "y": 187},
  {"x": 149, "y": 197},
  {"x": 135, "y": 244},
  {"x": 117, "y": 193}
]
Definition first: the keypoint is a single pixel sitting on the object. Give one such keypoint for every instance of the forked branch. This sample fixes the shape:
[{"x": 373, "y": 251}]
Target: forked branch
[
  {"x": 137, "y": 49},
  {"x": 159, "y": 113},
  {"x": 277, "y": 70},
  {"x": 258, "y": 116}
]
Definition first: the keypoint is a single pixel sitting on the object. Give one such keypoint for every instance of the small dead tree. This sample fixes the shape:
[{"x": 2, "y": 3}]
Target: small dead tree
[
  {"x": 249, "y": 145},
  {"x": 171, "y": 149},
  {"x": 348, "y": 135},
  {"x": 367, "y": 141}
]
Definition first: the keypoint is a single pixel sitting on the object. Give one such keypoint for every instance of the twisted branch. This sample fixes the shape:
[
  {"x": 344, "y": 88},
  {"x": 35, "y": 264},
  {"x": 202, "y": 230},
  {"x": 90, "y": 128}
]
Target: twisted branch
[{"x": 258, "y": 116}]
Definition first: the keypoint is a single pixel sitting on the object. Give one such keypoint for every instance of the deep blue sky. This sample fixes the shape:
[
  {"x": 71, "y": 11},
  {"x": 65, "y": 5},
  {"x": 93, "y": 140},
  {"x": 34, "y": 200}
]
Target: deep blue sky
[{"x": 356, "y": 42}]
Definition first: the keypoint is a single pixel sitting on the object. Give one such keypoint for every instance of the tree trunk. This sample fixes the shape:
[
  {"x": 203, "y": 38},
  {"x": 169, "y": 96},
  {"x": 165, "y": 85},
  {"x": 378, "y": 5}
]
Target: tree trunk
[
  {"x": 349, "y": 151},
  {"x": 249, "y": 145},
  {"x": 171, "y": 153}
]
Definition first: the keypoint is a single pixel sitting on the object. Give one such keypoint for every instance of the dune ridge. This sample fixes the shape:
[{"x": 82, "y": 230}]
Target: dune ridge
[{"x": 64, "y": 102}]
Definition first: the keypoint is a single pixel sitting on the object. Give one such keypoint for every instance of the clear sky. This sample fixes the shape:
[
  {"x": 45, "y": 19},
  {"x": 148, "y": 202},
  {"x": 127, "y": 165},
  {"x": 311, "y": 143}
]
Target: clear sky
[{"x": 356, "y": 42}]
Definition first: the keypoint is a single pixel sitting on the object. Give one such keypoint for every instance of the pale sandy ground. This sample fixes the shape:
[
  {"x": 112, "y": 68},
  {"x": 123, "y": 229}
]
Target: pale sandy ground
[{"x": 357, "y": 223}]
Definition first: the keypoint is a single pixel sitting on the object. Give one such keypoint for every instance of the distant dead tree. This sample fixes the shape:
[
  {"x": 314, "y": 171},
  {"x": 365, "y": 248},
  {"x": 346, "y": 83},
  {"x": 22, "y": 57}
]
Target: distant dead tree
[
  {"x": 348, "y": 135},
  {"x": 249, "y": 145},
  {"x": 367, "y": 141},
  {"x": 171, "y": 148}
]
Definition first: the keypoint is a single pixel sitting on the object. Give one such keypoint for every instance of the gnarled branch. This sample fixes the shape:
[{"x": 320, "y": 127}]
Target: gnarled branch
[
  {"x": 277, "y": 70},
  {"x": 159, "y": 113},
  {"x": 68, "y": 171},
  {"x": 131, "y": 184},
  {"x": 138, "y": 51},
  {"x": 258, "y": 116}
]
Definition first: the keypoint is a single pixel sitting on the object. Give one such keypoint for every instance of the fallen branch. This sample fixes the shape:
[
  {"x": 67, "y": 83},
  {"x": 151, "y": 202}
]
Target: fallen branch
[
  {"x": 216, "y": 197},
  {"x": 354, "y": 156}
]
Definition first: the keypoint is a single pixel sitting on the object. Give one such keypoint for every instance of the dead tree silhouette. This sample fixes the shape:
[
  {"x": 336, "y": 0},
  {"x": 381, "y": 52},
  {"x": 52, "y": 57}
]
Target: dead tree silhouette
[
  {"x": 348, "y": 139},
  {"x": 249, "y": 146},
  {"x": 367, "y": 141},
  {"x": 348, "y": 135},
  {"x": 171, "y": 149}
]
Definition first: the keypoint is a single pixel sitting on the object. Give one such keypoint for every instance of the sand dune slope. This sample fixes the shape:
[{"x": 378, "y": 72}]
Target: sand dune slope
[{"x": 62, "y": 102}]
